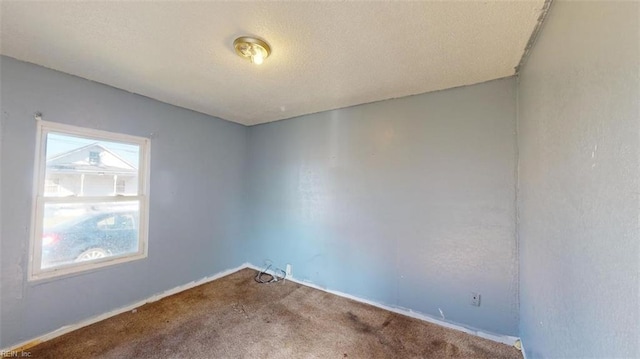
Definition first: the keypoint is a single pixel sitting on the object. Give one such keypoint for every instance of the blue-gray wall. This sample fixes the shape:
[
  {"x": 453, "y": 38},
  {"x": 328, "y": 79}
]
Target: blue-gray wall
[
  {"x": 197, "y": 166},
  {"x": 408, "y": 202},
  {"x": 579, "y": 117}
]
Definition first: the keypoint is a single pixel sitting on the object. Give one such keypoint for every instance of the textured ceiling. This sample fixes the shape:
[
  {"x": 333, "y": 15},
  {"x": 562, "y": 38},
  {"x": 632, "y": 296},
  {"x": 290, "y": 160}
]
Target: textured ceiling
[{"x": 326, "y": 55}]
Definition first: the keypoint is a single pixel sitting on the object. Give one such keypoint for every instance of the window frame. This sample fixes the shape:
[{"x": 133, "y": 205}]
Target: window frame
[{"x": 35, "y": 272}]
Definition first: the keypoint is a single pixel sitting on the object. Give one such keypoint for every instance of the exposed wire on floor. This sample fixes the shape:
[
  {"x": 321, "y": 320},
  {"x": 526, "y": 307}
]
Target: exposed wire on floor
[{"x": 278, "y": 275}]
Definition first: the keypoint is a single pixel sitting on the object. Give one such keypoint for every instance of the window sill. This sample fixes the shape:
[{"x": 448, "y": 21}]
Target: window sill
[{"x": 46, "y": 276}]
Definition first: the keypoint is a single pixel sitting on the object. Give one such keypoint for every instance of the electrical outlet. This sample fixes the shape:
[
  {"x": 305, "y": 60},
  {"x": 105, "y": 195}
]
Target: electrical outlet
[
  {"x": 475, "y": 299},
  {"x": 288, "y": 270}
]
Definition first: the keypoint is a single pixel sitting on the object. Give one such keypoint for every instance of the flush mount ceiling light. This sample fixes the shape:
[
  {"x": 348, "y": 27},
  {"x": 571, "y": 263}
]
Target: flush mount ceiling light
[{"x": 251, "y": 48}]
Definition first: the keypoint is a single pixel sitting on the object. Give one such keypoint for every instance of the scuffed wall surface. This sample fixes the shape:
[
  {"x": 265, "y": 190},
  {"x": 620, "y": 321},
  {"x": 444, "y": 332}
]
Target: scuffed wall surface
[
  {"x": 578, "y": 99},
  {"x": 197, "y": 174},
  {"x": 407, "y": 202}
]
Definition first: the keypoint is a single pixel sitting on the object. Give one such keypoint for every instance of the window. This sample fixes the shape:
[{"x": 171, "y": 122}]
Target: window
[
  {"x": 82, "y": 217},
  {"x": 52, "y": 186},
  {"x": 94, "y": 158},
  {"x": 121, "y": 186}
]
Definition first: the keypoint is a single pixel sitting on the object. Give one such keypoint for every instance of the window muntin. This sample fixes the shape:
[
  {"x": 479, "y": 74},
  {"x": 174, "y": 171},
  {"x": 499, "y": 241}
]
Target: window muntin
[{"x": 97, "y": 214}]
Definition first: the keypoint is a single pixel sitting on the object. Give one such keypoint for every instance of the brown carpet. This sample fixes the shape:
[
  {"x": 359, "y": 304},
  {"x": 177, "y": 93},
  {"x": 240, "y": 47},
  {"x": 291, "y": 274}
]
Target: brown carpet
[{"x": 235, "y": 317}]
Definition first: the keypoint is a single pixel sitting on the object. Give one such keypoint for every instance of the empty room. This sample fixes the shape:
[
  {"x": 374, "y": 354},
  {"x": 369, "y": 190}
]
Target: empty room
[{"x": 424, "y": 179}]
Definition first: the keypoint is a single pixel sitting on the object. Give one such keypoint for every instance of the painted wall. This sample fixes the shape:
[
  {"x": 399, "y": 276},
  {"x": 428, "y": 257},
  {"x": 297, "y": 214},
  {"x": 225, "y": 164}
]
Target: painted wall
[
  {"x": 408, "y": 202},
  {"x": 197, "y": 167},
  {"x": 579, "y": 176}
]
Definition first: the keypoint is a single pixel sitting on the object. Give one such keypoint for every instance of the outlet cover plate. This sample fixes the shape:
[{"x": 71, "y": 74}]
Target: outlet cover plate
[{"x": 475, "y": 299}]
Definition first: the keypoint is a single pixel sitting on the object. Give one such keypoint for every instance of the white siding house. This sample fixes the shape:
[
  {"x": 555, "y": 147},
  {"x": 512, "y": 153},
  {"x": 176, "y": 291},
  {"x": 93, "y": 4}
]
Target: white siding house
[{"x": 90, "y": 170}]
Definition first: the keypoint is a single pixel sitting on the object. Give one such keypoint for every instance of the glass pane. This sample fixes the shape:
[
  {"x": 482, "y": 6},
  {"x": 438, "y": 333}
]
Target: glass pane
[
  {"x": 75, "y": 232},
  {"x": 79, "y": 166}
]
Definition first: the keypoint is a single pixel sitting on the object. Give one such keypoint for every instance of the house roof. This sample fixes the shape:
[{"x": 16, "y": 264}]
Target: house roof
[{"x": 78, "y": 160}]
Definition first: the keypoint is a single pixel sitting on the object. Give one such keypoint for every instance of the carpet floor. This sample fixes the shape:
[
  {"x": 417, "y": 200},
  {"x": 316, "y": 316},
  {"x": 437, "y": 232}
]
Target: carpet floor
[{"x": 235, "y": 317}]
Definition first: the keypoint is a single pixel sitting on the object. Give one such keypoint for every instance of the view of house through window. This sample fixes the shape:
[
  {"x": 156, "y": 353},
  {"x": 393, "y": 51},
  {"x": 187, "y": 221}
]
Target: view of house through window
[{"x": 91, "y": 199}]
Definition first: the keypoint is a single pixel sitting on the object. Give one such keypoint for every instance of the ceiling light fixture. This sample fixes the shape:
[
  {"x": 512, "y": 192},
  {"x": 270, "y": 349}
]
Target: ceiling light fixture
[{"x": 252, "y": 48}]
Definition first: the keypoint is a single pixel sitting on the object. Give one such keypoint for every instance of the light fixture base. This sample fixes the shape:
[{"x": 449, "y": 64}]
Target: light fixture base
[{"x": 252, "y": 48}]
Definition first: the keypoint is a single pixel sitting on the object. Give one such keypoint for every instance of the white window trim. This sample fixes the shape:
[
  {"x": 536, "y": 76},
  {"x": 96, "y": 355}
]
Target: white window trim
[{"x": 38, "y": 201}]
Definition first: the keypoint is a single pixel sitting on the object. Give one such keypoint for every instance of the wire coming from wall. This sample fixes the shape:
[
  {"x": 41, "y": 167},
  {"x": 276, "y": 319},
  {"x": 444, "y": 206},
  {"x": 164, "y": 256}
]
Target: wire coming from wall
[{"x": 265, "y": 277}]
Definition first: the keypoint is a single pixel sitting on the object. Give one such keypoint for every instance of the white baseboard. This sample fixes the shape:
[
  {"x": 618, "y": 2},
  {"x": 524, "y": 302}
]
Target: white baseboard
[
  {"x": 524, "y": 353},
  {"x": 504, "y": 339},
  {"x": 69, "y": 328}
]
